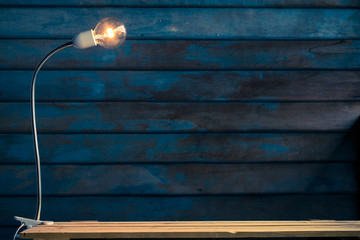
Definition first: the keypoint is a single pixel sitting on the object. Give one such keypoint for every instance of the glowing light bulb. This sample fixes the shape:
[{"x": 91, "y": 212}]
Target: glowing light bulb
[{"x": 109, "y": 33}]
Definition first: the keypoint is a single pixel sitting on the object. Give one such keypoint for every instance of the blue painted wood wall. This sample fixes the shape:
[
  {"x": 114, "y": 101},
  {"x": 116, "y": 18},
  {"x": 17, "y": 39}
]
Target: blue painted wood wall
[{"x": 211, "y": 110}]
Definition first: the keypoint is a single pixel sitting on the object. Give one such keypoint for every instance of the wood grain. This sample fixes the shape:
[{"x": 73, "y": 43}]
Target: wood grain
[
  {"x": 181, "y": 85},
  {"x": 182, "y": 55},
  {"x": 188, "y": 3},
  {"x": 196, "y": 229},
  {"x": 176, "y": 179},
  {"x": 179, "y": 117},
  {"x": 185, "y": 23},
  {"x": 177, "y": 148}
]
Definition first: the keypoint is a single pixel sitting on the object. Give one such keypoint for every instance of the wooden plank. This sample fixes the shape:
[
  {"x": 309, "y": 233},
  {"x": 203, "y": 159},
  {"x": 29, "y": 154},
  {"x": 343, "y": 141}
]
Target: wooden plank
[
  {"x": 177, "y": 148},
  {"x": 188, "y": 3},
  {"x": 166, "y": 225},
  {"x": 182, "y": 179},
  {"x": 185, "y": 23},
  {"x": 181, "y": 85},
  {"x": 196, "y": 229},
  {"x": 179, "y": 54},
  {"x": 181, "y": 116},
  {"x": 184, "y": 208}
]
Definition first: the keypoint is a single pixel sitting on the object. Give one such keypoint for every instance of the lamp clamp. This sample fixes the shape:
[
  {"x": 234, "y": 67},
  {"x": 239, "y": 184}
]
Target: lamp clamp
[{"x": 30, "y": 223}]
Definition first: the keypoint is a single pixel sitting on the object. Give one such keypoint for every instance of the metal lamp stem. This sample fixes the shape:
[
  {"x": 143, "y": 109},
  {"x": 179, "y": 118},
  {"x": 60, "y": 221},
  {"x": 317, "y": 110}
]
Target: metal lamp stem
[
  {"x": 34, "y": 129},
  {"x": 29, "y": 223}
]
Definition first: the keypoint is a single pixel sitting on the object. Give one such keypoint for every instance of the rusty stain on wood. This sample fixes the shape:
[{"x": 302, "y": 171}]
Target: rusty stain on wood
[
  {"x": 180, "y": 116},
  {"x": 182, "y": 85},
  {"x": 173, "y": 179},
  {"x": 188, "y": 54},
  {"x": 180, "y": 148}
]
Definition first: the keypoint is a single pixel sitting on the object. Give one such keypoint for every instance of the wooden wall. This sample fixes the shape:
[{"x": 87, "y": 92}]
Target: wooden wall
[{"x": 211, "y": 110}]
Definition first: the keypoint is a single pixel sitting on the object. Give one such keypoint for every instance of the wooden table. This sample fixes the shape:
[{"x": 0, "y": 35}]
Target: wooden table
[{"x": 200, "y": 229}]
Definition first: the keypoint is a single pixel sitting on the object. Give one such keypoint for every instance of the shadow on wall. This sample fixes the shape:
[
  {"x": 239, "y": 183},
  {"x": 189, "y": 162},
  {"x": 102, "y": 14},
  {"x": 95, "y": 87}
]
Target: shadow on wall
[{"x": 349, "y": 149}]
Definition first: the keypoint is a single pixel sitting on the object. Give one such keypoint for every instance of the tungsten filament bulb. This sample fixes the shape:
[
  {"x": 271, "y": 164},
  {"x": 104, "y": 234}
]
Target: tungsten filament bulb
[{"x": 109, "y": 33}]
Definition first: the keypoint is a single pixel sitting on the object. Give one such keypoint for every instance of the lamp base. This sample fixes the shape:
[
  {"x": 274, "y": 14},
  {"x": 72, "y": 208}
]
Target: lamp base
[{"x": 30, "y": 223}]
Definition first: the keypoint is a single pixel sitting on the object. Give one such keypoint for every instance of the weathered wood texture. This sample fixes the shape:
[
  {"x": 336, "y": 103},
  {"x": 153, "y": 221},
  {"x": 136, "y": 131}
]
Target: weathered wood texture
[
  {"x": 182, "y": 179},
  {"x": 181, "y": 208},
  {"x": 196, "y": 229},
  {"x": 185, "y": 23},
  {"x": 181, "y": 85},
  {"x": 188, "y": 3},
  {"x": 211, "y": 110},
  {"x": 179, "y": 117},
  {"x": 184, "y": 208},
  {"x": 179, "y": 148},
  {"x": 186, "y": 54}
]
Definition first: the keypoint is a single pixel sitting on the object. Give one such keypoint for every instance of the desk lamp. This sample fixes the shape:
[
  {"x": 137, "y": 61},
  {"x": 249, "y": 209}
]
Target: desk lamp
[{"x": 109, "y": 33}]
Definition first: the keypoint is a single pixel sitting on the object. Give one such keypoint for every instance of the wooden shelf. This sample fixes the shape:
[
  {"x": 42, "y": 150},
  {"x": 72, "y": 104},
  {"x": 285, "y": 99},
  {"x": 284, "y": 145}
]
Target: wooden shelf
[{"x": 195, "y": 229}]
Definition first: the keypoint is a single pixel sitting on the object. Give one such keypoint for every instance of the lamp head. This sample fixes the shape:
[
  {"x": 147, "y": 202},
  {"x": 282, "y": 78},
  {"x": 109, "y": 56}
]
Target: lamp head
[{"x": 109, "y": 33}]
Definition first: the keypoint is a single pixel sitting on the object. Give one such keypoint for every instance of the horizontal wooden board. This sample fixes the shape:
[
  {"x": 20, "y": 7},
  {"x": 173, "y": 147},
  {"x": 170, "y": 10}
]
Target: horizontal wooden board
[
  {"x": 195, "y": 229},
  {"x": 181, "y": 116},
  {"x": 187, "y": 224},
  {"x": 181, "y": 54},
  {"x": 188, "y": 3},
  {"x": 176, "y": 148},
  {"x": 180, "y": 208},
  {"x": 181, "y": 85},
  {"x": 185, "y": 23},
  {"x": 181, "y": 179}
]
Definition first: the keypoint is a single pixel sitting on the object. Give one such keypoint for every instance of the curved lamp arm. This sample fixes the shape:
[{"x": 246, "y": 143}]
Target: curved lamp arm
[
  {"x": 109, "y": 33},
  {"x": 29, "y": 223},
  {"x": 34, "y": 129}
]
